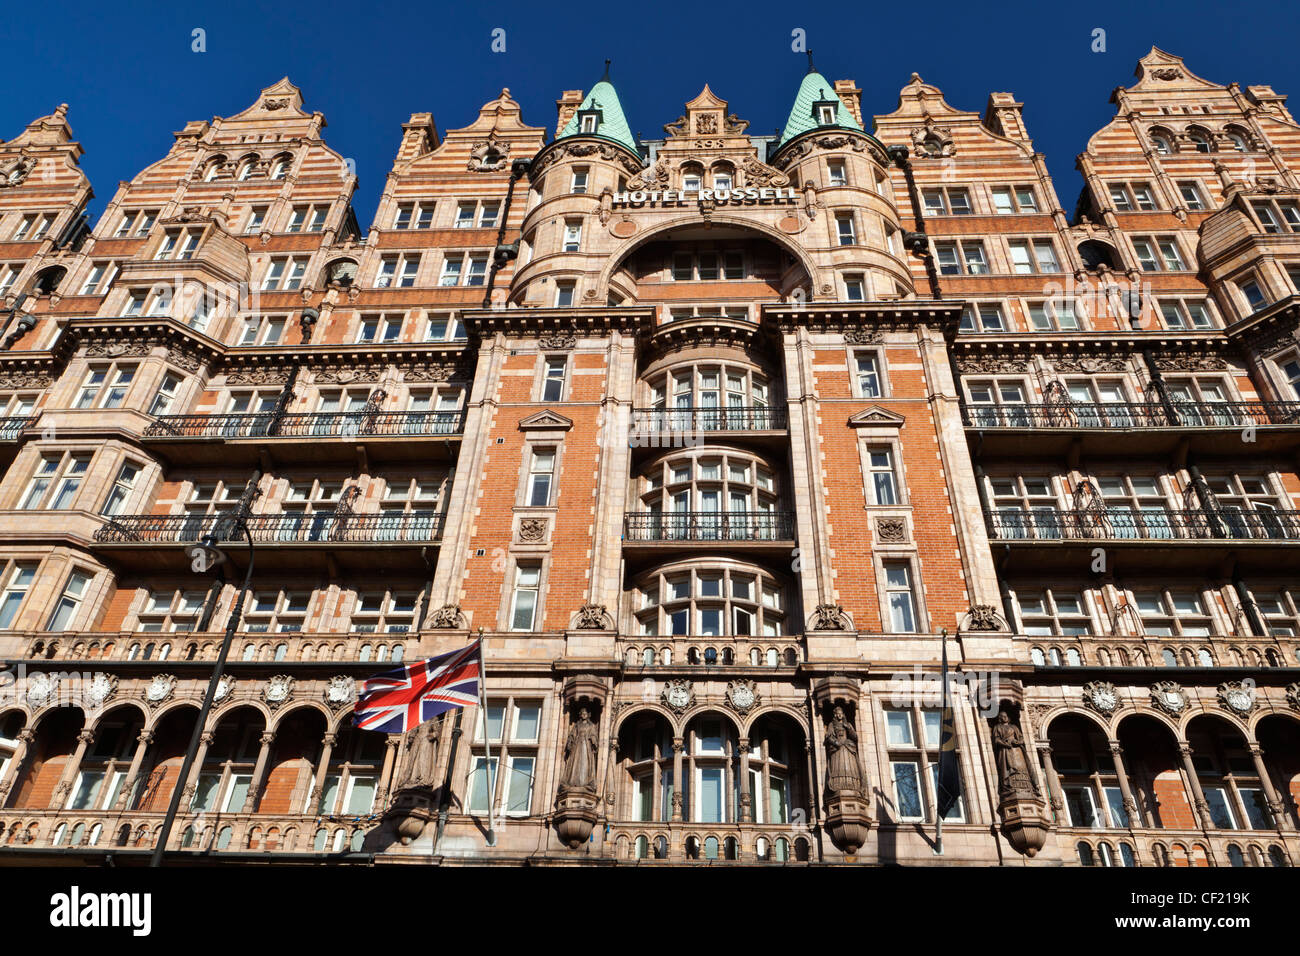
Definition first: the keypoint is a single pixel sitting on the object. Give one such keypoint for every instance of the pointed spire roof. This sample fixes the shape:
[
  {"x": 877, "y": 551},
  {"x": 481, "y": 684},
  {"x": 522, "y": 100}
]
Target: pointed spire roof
[
  {"x": 815, "y": 88},
  {"x": 613, "y": 124}
]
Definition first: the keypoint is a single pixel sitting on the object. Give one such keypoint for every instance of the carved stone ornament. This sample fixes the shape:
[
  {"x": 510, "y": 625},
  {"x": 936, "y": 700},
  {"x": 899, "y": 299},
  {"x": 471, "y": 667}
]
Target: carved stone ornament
[
  {"x": 1091, "y": 364},
  {"x": 428, "y": 373},
  {"x": 532, "y": 530},
  {"x": 182, "y": 359},
  {"x": 658, "y": 176},
  {"x": 160, "y": 689},
  {"x": 1293, "y": 695},
  {"x": 984, "y": 617},
  {"x": 830, "y": 617},
  {"x": 1167, "y": 73},
  {"x": 40, "y": 689},
  {"x": 678, "y": 696},
  {"x": 275, "y": 103},
  {"x": 99, "y": 689},
  {"x": 593, "y": 617},
  {"x": 863, "y": 336},
  {"x": 932, "y": 142},
  {"x": 891, "y": 529},
  {"x": 448, "y": 617},
  {"x": 1191, "y": 363},
  {"x": 743, "y": 696},
  {"x": 225, "y": 687},
  {"x": 487, "y": 156},
  {"x": 25, "y": 378},
  {"x": 340, "y": 692},
  {"x": 557, "y": 340},
  {"x": 277, "y": 691},
  {"x": 762, "y": 175},
  {"x": 1169, "y": 697},
  {"x": 1101, "y": 696},
  {"x": 13, "y": 173},
  {"x": 257, "y": 376},
  {"x": 987, "y": 364},
  {"x": 1238, "y": 696},
  {"x": 117, "y": 349}
]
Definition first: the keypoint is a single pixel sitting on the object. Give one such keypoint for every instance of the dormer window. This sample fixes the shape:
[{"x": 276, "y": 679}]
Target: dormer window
[
  {"x": 589, "y": 121},
  {"x": 826, "y": 115}
]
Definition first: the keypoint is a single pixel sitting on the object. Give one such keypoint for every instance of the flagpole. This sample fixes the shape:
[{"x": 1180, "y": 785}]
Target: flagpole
[{"x": 487, "y": 740}]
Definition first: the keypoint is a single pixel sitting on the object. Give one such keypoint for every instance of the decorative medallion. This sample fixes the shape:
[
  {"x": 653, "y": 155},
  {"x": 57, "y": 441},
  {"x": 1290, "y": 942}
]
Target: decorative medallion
[
  {"x": 160, "y": 689},
  {"x": 830, "y": 617},
  {"x": 742, "y": 695},
  {"x": 532, "y": 530},
  {"x": 891, "y": 529},
  {"x": 100, "y": 688},
  {"x": 1169, "y": 697},
  {"x": 1238, "y": 696},
  {"x": 984, "y": 617},
  {"x": 40, "y": 688},
  {"x": 932, "y": 142},
  {"x": 487, "y": 156},
  {"x": 225, "y": 687},
  {"x": 447, "y": 617},
  {"x": 340, "y": 692},
  {"x": 277, "y": 690},
  {"x": 1167, "y": 73},
  {"x": 593, "y": 617},
  {"x": 678, "y": 695},
  {"x": 1101, "y": 696},
  {"x": 1293, "y": 695}
]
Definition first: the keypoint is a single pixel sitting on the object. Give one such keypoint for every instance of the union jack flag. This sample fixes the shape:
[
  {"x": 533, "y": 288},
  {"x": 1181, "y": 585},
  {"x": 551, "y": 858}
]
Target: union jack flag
[{"x": 397, "y": 700}]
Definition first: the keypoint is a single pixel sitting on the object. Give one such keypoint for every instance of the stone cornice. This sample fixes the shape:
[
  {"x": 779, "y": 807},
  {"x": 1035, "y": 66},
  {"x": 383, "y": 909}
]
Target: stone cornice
[
  {"x": 483, "y": 323},
  {"x": 844, "y": 316},
  {"x": 1090, "y": 343},
  {"x": 1263, "y": 329}
]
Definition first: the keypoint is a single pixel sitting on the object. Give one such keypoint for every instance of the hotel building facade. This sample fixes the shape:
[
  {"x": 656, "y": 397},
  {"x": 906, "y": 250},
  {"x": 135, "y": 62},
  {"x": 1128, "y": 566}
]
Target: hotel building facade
[{"x": 715, "y": 440}]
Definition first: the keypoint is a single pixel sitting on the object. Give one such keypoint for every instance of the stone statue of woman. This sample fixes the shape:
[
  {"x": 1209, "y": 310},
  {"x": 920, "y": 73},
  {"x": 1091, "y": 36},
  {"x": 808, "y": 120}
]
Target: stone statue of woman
[
  {"x": 580, "y": 754},
  {"x": 843, "y": 771},
  {"x": 419, "y": 755},
  {"x": 1009, "y": 750}
]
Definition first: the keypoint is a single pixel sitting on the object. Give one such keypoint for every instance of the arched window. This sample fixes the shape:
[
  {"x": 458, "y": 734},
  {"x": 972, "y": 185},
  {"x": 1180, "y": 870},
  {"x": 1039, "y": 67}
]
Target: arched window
[
  {"x": 1199, "y": 139},
  {"x": 642, "y": 847},
  {"x": 1162, "y": 143},
  {"x": 1235, "y": 856},
  {"x": 1276, "y": 857},
  {"x": 1085, "y": 854},
  {"x": 661, "y": 848},
  {"x": 1126, "y": 855},
  {"x": 59, "y": 833},
  {"x": 280, "y": 651},
  {"x": 773, "y": 659},
  {"x": 648, "y": 657},
  {"x": 399, "y": 652},
  {"x": 318, "y": 841},
  {"x": 710, "y": 656},
  {"x": 95, "y": 832},
  {"x": 667, "y": 656},
  {"x": 250, "y": 651},
  {"x": 214, "y": 168},
  {"x": 246, "y": 168},
  {"x": 1238, "y": 139},
  {"x": 223, "y": 837},
  {"x": 358, "y": 838},
  {"x": 1106, "y": 855},
  {"x": 381, "y": 652},
  {"x": 755, "y": 656},
  {"x": 133, "y": 652},
  {"x": 280, "y": 167},
  {"x": 77, "y": 833},
  {"x": 1054, "y": 655},
  {"x": 1169, "y": 657},
  {"x": 711, "y": 848},
  {"x": 1072, "y": 657},
  {"x": 164, "y": 652},
  {"x": 365, "y": 652},
  {"x": 187, "y": 838},
  {"x": 1036, "y": 655}
]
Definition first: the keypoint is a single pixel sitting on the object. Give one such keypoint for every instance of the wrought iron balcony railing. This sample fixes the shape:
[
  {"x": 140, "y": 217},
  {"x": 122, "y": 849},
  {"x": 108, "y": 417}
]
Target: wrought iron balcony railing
[
  {"x": 321, "y": 527},
  {"x": 1133, "y": 415},
  {"x": 11, "y": 426},
  {"x": 1157, "y": 524},
  {"x": 748, "y": 418},
  {"x": 709, "y": 526},
  {"x": 307, "y": 425}
]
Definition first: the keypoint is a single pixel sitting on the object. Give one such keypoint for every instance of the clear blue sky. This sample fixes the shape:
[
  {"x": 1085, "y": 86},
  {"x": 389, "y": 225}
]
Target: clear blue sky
[{"x": 131, "y": 79}]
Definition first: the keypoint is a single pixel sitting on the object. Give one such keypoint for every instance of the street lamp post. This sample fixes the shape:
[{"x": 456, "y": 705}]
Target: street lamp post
[{"x": 209, "y": 545}]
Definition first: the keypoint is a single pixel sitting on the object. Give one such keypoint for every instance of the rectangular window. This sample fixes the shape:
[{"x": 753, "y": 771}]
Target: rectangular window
[
  {"x": 120, "y": 493},
  {"x": 1191, "y": 193},
  {"x": 836, "y": 173},
  {"x": 902, "y": 601},
  {"x": 1030, "y": 256},
  {"x": 868, "y": 376},
  {"x": 465, "y": 215},
  {"x": 402, "y": 219},
  {"x": 883, "y": 484},
  {"x": 523, "y": 611},
  {"x": 15, "y": 590},
  {"x": 854, "y": 287},
  {"x": 844, "y": 229},
  {"x": 557, "y": 367},
  {"x": 69, "y": 602},
  {"x": 541, "y": 472},
  {"x": 564, "y": 295},
  {"x": 450, "y": 271},
  {"x": 100, "y": 275},
  {"x": 907, "y": 789},
  {"x": 572, "y": 235},
  {"x": 579, "y": 182},
  {"x": 477, "y": 272}
]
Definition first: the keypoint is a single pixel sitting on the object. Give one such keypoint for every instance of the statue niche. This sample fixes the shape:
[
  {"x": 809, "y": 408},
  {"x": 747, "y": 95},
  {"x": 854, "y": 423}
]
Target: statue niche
[
  {"x": 576, "y": 798},
  {"x": 413, "y": 807},
  {"x": 1020, "y": 805}
]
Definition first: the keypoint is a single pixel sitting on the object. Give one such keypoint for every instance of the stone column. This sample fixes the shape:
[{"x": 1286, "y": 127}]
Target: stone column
[
  {"x": 318, "y": 780},
  {"x": 611, "y": 779},
  {"x": 1053, "y": 780},
  {"x": 192, "y": 785},
  {"x": 69, "y": 777},
  {"x": 127, "y": 796},
  {"x": 386, "y": 774},
  {"x": 1130, "y": 805},
  {"x": 1275, "y": 805},
  {"x": 259, "y": 769},
  {"x": 679, "y": 747},
  {"x": 1198, "y": 795},
  {"x": 25, "y": 738},
  {"x": 746, "y": 798}
]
